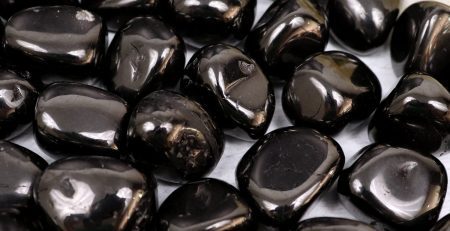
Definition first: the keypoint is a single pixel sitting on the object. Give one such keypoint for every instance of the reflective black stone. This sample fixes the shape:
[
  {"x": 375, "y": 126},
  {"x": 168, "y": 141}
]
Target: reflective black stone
[
  {"x": 443, "y": 224},
  {"x": 233, "y": 89},
  {"x": 330, "y": 90},
  {"x": 289, "y": 32},
  {"x": 76, "y": 119},
  {"x": 421, "y": 41},
  {"x": 55, "y": 38},
  {"x": 118, "y": 12},
  {"x": 279, "y": 171},
  {"x": 414, "y": 115},
  {"x": 145, "y": 55},
  {"x": 175, "y": 136},
  {"x": 206, "y": 204},
  {"x": 17, "y": 101},
  {"x": 402, "y": 187},
  {"x": 334, "y": 224},
  {"x": 9, "y": 7},
  {"x": 362, "y": 25},
  {"x": 209, "y": 21},
  {"x": 96, "y": 193}
]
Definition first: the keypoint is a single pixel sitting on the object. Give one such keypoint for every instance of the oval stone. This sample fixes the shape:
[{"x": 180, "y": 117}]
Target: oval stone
[
  {"x": 206, "y": 204},
  {"x": 329, "y": 90},
  {"x": 422, "y": 26},
  {"x": 402, "y": 187},
  {"x": 174, "y": 136},
  {"x": 286, "y": 35},
  {"x": 144, "y": 56},
  {"x": 96, "y": 193},
  {"x": 278, "y": 173},
  {"x": 362, "y": 25},
  {"x": 17, "y": 101},
  {"x": 210, "y": 21},
  {"x": 233, "y": 89},
  {"x": 414, "y": 115},
  {"x": 55, "y": 38},
  {"x": 334, "y": 224},
  {"x": 76, "y": 119},
  {"x": 9, "y": 7}
]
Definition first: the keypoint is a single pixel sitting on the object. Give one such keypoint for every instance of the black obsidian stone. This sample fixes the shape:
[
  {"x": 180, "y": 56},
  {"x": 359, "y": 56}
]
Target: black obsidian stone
[
  {"x": 332, "y": 223},
  {"x": 421, "y": 41},
  {"x": 174, "y": 136},
  {"x": 17, "y": 101},
  {"x": 330, "y": 90},
  {"x": 362, "y": 25},
  {"x": 76, "y": 119},
  {"x": 118, "y": 12},
  {"x": 9, "y": 7},
  {"x": 206, "y": 204},
  {"x": 414, "y": 115},
  {"x": 209, "y": 21},
  {"x": 96, "y": 193},
  {"x": 286, "y": 35},
  {"x": 443, "y": 224},
  {"x": 145, "y": 55},
  {"x": 400, "y": 186},
  {"x": 278, "y": 173},
  {"x": 233, "y": 88},
  {"x": 55, "y": 38}
]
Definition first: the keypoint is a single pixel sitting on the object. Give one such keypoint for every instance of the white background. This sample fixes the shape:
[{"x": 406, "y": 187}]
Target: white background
[{"x": 352, "y": 139}]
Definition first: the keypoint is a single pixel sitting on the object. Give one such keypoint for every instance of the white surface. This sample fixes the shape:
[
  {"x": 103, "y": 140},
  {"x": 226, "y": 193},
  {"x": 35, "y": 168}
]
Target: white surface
[{"x": 352, "y": 139}]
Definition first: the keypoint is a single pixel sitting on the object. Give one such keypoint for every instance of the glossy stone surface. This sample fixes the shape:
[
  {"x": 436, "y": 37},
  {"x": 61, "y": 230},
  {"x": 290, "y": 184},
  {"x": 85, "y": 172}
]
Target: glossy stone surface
[
  {"x": 174, "y": 136},
  {"x": 210, "y": 21},
  {"x": 362, "y": 25},
  {"x": 9, "y": 7},
  {"x": 414, "y": 115},
  {"x": 334, "y": 224},
  {"x": 402, "y": 187},
  {"x": 330, "y": 90},
  {"x": 76, "y": 119},
  {"x": 19, "y": 169},
  {"x": 233, "y": 88},
  {"x": 421, "y": 41},
  {"x": 443, "y": 224},
  {"x": 118, "y": 12},
  {"x": 12, "y": 221},
  {"x": 145, "y": 55},
  {"x": 17, "y": 101},
  {"x": 96, "y": 193},
  {"x": 289, "y": 32},
  {"x": 55, "y": 38},
  {"x": 278, "y": 172},
  {"x": 206, "y": 204}
]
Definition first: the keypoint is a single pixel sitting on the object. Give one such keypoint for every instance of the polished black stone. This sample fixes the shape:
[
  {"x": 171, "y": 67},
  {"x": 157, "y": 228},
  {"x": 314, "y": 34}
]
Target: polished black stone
[
  {"x": 400, "y": 186},
  {"x": 206, "y": 204},
  {"x": 421, "y": 41},
  {"x": 414, "y": 115},
  {"x": 443, "y": 224},
  {"x": 9, "y": 7},
  {"x": 96, "y": 193},
  {"x": 76, "y": 119},
  {"x": 330, "y": 90},
  {"x": 19, "y": 169},
  {"x": 362, "y": 25},
  {"x": 118, "y": 12},
  {"x": 55, "y": 38},
  {"x": 289, "y": 32},
  {"x": 233, "y": 89},
  {"x": 145, "y": 55},
  {"x": 209, "y": 21},
  {"x": 17, "y": 101},
  {"x": 174, "y": 136},
  {"x": 334, "y": 224},
  {"x": 278, "y": 172}
]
